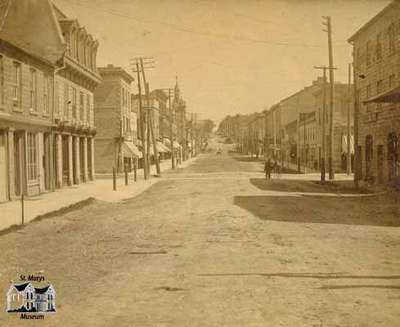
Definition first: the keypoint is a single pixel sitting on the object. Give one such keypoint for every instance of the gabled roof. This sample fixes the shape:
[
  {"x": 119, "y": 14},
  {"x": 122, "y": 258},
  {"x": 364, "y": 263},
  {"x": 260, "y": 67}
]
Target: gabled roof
[
  {"x": 21, "y": 287},
  {"x": 42, "y": 290},
  {"x": 22, "y": 21}
]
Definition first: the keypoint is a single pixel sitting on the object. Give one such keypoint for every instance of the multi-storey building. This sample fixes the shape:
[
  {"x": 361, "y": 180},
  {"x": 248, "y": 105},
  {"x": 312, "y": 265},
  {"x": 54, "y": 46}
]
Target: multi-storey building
[
  {"x": 115, "y": 120},
  {"x": 74, "y": 85},
  {"x": 294, "y": 126},
  {"x": 376, "y": 53},
  {"x": 342, "y": 125},
  {"x": 27, "y": 68}
]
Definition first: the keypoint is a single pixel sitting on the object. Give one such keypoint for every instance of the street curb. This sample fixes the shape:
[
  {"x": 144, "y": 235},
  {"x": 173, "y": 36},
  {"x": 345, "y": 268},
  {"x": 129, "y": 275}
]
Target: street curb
[{"x": 74, "y": 206}]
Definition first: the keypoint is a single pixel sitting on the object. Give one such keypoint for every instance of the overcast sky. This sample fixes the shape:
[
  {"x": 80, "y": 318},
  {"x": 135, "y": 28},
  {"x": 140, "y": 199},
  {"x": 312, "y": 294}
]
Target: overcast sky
[{"x": 231, "y": 56}]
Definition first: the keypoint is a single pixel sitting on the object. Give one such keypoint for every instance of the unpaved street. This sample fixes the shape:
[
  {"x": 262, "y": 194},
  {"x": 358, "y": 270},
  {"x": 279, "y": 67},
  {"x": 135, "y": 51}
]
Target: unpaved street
[{"x": 215, "y": 245}]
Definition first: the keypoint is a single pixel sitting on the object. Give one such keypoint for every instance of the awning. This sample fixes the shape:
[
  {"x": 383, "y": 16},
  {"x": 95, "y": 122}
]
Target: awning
[
  {"x": 131, "y": 149},
  {"x": 391, "y": 96},
  {"x": 167, "y": 142},
  {"x": 162, "y": 148}
]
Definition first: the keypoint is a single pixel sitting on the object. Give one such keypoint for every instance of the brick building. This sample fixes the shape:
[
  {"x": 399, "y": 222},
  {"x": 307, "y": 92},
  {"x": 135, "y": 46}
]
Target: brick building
[
  {"x": 116, "y": 122},
  {"x": 27, "y": 68},
  {"x": 376, "y": 54}
]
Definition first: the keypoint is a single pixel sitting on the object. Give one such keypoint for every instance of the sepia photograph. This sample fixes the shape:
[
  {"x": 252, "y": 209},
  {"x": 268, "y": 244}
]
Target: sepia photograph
[{"x": 200, "y": 163}]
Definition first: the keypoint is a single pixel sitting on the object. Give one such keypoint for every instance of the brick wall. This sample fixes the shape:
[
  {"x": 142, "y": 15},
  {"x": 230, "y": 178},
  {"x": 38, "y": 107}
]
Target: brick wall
[{"x": 381, "y": 74}]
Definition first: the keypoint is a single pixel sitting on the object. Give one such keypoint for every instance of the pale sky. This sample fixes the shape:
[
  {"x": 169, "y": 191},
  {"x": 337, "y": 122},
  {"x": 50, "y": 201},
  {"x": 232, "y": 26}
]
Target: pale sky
[{"x": 231, "y": 56}]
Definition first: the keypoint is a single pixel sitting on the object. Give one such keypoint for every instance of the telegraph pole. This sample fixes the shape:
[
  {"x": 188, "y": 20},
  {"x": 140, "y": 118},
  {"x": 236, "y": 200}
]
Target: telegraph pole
[
  {"x": 323, "y": 136},
  {"x": 356, "y": 105},
  {"x": 348, "y": 123},
  {"x": 142, "y": 119},
  {"x": 327, "y": 23},
  {"x": 171, "y": 122},
  {"x": 150, "y": 120}
]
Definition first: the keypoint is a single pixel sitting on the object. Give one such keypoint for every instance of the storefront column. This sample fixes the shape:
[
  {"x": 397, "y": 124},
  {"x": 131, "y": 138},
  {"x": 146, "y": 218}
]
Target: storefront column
[
  {"x": 59, "y": 160},
  {"x": 70, "y": 161},
  {"x": 10, "y": 164},
  {"x": 92, "y": 157},
  {"x": 77, "y": 160},
  {"x": 85, "y": 159}
]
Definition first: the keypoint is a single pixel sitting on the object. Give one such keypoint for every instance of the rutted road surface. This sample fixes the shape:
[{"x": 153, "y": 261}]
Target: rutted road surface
[{"x": 215, "y": 245}]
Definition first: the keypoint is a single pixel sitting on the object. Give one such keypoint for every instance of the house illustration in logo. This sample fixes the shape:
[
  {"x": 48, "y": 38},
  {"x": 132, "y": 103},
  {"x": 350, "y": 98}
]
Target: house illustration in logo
[{"x": 27, "y": 298}]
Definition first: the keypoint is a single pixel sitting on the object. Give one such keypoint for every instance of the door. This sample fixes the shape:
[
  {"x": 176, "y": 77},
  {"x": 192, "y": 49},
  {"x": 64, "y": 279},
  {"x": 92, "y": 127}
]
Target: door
[
  {"x": 3, "y": 167},
  {"x": 46, "y": 160},
  {"x": 19, "y": 160},
  {"x": 65, "y": 160}
]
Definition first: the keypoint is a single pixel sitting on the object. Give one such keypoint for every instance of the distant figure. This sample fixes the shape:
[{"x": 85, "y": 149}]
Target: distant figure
[{"x": 267, "y": 169}]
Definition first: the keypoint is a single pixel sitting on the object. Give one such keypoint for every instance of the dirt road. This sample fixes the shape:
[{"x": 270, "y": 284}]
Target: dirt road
[{"x": 214, "y": 245}]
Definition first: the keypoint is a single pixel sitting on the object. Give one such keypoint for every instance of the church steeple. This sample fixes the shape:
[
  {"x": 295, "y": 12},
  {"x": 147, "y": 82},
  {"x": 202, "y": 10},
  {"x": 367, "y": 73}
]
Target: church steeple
[{"x": 176, "y": 92}]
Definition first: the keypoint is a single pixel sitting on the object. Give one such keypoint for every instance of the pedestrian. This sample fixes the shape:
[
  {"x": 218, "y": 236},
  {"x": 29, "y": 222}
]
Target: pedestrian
[{"x": 267, "y": 169}]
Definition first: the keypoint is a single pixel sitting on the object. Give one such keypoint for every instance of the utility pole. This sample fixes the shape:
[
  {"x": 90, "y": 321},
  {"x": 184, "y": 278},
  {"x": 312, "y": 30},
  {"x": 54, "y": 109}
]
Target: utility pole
[
  {"x": 356, "y": 105},
  {"x": 150, "y": 133},
  {"x": 171, "y": 122},
  {"x": 323, "y": 136},
  {"x": 328, "y": 24},
  {"x": 142, "y": 119},
  {"x": 348, "y": 162}
]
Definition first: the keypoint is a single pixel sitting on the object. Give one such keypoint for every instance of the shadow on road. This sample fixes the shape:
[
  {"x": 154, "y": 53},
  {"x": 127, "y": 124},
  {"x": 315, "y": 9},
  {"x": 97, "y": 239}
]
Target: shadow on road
[
  {"x": 282, "y": 185},
  {"x": 247, "y": 159},
  {"x": 372, "y": 211},
  {"x": 305, "y": 275},
  {"x": 341, "y": 287}
]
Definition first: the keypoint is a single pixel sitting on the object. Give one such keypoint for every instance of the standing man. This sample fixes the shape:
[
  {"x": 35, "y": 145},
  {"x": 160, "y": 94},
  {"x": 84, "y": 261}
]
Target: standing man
[{"x": 267, "y": 169}]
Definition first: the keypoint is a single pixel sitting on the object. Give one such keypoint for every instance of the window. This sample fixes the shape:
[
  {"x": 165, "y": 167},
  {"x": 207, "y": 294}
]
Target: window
[
  {"x": 81, "y": 106},
  {"x": 33, "y": 90},
  {"x": 46, "y": 95},
  {"x": 66, "y": 99},
  {"x": 16, "y": 84},
  {"x": 1, "y": 80},
  {"x": 74, "y": 113},
  {"x": 392, "y": 39},
  {"x": 88, "y": 108},
  {"x": 57, "y": 98},
  {"x": 32, "y": 164},
  {"x": 368, "y": 53},
  {"x": 378, "y": 49}
]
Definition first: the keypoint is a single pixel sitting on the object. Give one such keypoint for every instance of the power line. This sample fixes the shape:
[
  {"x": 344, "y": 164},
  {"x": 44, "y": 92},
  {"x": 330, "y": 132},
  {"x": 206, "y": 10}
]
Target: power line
[{"x": 185, "y": 29}]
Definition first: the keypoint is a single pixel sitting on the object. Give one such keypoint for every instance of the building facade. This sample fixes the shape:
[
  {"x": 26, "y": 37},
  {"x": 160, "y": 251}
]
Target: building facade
[
  {"x": 116, "y": 138},
  {"x": 376, "y": 54},
  {"x": 74, "y": 86},
  {"x": 27, "y": 71}
]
